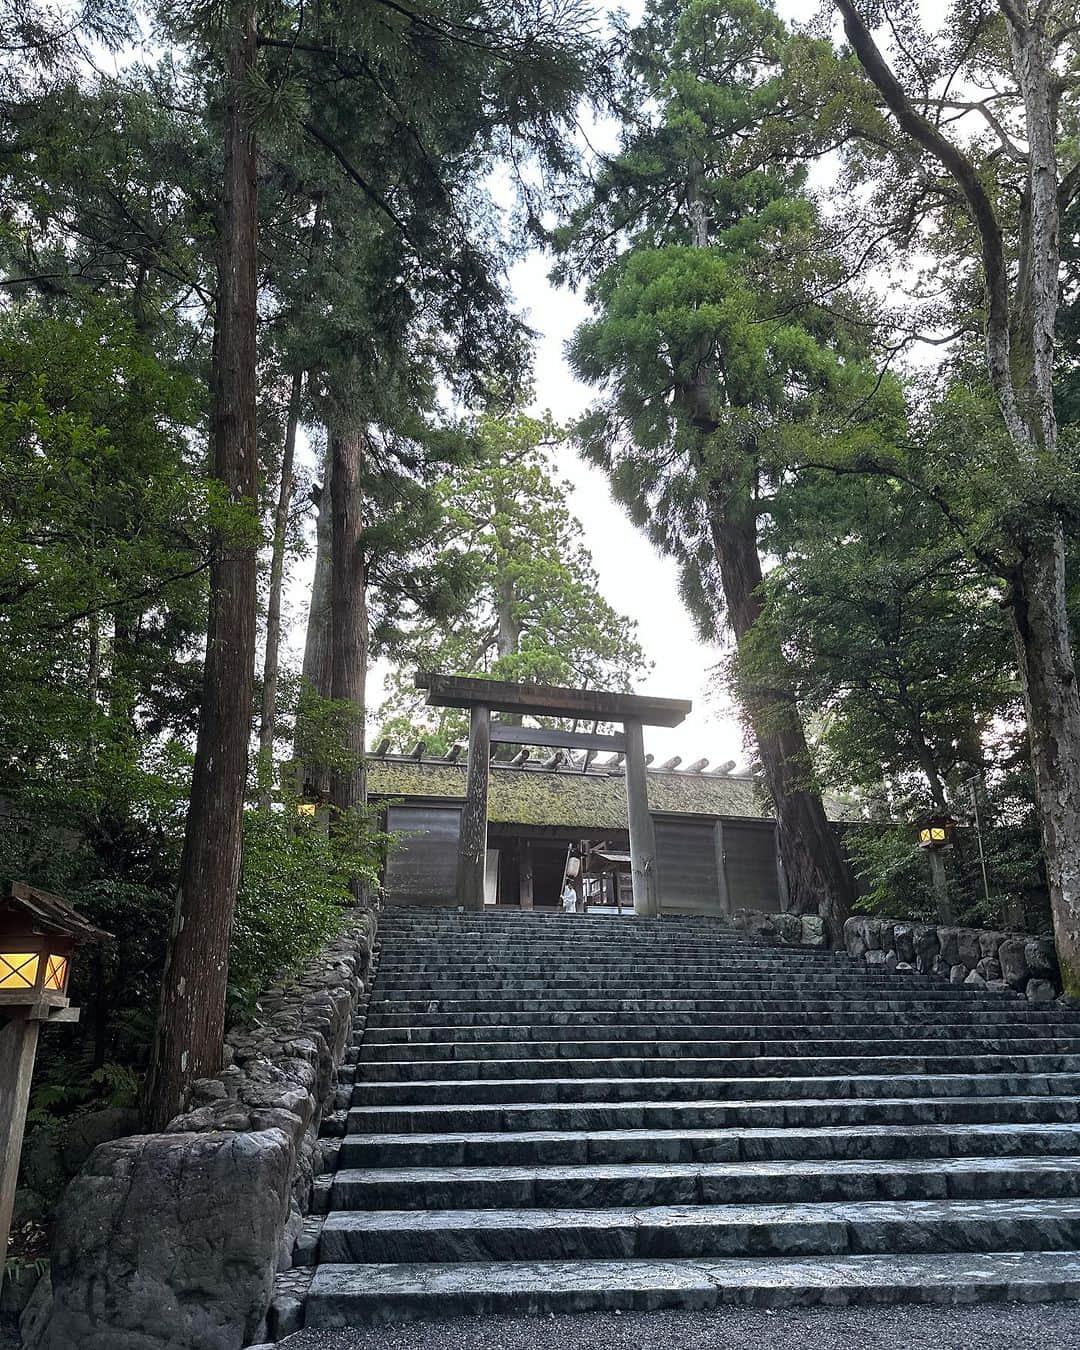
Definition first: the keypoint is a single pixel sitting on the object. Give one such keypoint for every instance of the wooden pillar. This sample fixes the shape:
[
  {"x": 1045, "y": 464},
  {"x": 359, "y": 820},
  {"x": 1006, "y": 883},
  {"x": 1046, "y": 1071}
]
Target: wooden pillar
[
  {"x": 642, "y": 835},
  {"x": 472, "y": 845},
  {"x": 525, "y": 874},
  {"x": 18, "y": 1046},
  {"x": 721, "y": 868}
]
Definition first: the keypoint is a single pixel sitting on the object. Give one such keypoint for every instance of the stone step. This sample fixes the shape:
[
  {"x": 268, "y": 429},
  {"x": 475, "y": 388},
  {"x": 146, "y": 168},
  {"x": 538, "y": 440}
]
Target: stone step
[
  {"x": 930, "y": 1002},
  {"x": 984, "y": 1025},
  {"x": 747, "y": 1080},
  {"x": 346, "y": 1295},
  {"x": 792, "y": 1112},
  {"x": 576, "y": 1147},
  {"x": 436, "y": 1077},
  {"x": 647, "y": 982},
  {"x": 839, "y": 1015},
  {"x": 596, "y": 1186},
  {"x": 821, "y": 1229},
  {"x": 514, "y": 957},
  {"x": 447, "y": 1052}
]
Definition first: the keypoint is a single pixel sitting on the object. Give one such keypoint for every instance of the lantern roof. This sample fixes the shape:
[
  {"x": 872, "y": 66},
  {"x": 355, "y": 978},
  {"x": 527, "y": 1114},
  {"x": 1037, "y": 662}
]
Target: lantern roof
[{"x": 47, "y": 913}]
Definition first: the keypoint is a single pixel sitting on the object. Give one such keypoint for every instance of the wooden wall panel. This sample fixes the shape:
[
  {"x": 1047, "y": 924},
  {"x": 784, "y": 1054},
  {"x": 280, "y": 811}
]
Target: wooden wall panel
[
  {"x": 423, "y": 869},
  {"x": 686, "y": 866},
  {"x": 750, "y": 865}
]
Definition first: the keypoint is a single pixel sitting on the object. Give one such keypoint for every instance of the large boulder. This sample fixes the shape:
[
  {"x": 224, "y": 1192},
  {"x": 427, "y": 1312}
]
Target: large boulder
[
  {"x": 169, "y": 1242},
  {"x": 989, "y": 941},
  {"x": 927, "y": 947}
]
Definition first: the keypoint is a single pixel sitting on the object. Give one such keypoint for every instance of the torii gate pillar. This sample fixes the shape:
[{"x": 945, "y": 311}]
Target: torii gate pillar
[{"x": 482, "y": 697}]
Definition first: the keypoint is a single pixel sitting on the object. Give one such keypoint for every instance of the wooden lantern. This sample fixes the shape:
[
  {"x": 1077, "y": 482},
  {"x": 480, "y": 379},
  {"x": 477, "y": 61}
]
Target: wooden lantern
[{"x": 38, "y": 936}]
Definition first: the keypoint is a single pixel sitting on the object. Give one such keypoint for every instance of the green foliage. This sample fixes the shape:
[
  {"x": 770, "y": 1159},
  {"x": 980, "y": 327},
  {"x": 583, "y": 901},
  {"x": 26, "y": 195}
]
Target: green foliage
[
  {"x": 533, "y": 610},
  {"x": 893, "y": 872},
  {"x": 294, "y": 886}
]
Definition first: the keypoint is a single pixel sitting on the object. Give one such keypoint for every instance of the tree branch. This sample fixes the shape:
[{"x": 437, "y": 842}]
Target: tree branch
[{"x": 960, "y": 168}]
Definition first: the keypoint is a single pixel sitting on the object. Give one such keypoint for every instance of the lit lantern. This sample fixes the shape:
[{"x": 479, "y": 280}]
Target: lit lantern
[
  {"x": 38, "y": 935},
  {"x": 936, "y": 832}
]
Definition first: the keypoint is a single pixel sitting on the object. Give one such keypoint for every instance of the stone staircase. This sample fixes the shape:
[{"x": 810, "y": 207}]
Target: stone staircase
[{"x": 567, "y": 1112}]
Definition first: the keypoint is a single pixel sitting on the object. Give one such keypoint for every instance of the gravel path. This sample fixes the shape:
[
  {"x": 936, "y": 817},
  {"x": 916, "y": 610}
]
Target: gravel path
[{"x": 986, "y": 1326}]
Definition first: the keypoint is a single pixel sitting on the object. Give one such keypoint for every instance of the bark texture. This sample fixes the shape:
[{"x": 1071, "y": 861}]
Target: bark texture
[
  {"x": 819, "y": 878},
  {"x": 268, "y": 712},
  {"x": 192, "y": 1011},
  {"x": 348, "y": 606}
]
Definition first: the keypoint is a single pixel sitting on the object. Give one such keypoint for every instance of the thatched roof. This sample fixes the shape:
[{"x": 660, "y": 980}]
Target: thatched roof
[{"x": 596, "y": 799}]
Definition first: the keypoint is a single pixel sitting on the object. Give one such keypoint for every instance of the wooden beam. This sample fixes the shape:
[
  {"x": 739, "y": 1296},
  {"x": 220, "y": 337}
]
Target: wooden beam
[
  {"x": 642, "y": 834},
  {"x": 18, "y": 1046},
  {"x": 549, "y": 700},
  {"x": 472, "y": 844},
  {"x": 503, "y": 733}
]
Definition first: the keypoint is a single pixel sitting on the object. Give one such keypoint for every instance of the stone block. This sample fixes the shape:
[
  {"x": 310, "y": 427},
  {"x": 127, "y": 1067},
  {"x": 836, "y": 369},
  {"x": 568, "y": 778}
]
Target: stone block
[
  {"x": 949, "y": 942},
  {"x": 813, "y": 931},
  {"x": 904, "y": 943},
  {"x": 927, "y": 947},
  {"x": 968, "y": 947},
  {"x": 169, "y": 1242},
  {"x": 873, "y": 935},
  {"x": 876, "y": 958},
  {"x": 1041, "y": 957},
  {"x": 855, "y": 936},
  {"x": 989, "y": 968},
  {"x": 975, "y": 980},
  {"x": 958, "y": 973},
  {"x": 989, "y": 941},
  {"x": 1040, "y": 991},
  {"x": 1014, "y": 966}
]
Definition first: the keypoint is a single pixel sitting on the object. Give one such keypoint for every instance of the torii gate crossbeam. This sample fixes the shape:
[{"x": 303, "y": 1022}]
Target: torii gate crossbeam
[{"x": 482, "y": 697}]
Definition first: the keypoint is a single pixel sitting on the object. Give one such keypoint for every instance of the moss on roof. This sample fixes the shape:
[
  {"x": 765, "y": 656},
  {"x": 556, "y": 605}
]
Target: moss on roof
[{"x": 592, "y": 800}]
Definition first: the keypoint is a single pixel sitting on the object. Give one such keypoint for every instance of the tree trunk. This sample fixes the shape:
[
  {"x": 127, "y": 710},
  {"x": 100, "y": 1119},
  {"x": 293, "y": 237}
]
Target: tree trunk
[
  {"x": 1040, "y": 625},
  {"x": 508, "y": 633},
  {"x": 315, "y": 673},
  {"x": 268, "y": 712},
  {"x": 192, "y": 1012},
  {"x": 819, "y": 878},
  {"x": 348, "y": 607}
]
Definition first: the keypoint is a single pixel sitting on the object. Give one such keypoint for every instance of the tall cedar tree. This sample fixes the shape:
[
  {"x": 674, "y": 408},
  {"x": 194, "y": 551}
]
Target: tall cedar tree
[
  {"x": 703, "y": 260},
  {"x": 991, "y": 203},
  {"x": 191, "y": 1018},
  {"x": 534, "y": 610}
]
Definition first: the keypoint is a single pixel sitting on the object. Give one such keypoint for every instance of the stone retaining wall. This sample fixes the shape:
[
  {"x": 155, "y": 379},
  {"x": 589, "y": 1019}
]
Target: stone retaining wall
[
  {"x": 975, "y": 956},
  {"x": 794, "y": 930},
  {"x": 171, "y": 1241}
]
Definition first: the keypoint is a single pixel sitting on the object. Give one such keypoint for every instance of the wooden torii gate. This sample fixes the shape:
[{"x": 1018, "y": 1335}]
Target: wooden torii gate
[{"x": 483, "y": 697}]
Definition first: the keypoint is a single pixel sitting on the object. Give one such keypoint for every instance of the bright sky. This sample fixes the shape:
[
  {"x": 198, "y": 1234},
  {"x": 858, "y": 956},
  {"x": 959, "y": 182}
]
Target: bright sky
[{"x": 633, "y": 576}]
